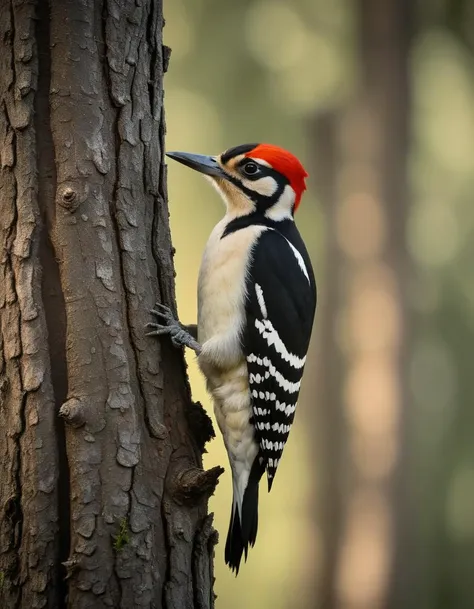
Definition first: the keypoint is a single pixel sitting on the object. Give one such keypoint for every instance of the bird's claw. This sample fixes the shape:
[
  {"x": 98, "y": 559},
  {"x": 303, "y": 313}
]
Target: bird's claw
[
  {"x": 165, "y": 312},
  {"x": 180, "y": 337},
  {"x": 171, "y": 325}
]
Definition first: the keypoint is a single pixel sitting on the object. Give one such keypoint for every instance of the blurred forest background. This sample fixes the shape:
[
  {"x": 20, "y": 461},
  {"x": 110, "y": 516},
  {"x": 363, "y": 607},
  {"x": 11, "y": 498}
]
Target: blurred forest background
[{"x": 373, "y": 505}]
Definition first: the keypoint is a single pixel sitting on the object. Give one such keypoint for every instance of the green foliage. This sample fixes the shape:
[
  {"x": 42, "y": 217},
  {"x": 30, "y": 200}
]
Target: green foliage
[{"x": 123, "y": 537}]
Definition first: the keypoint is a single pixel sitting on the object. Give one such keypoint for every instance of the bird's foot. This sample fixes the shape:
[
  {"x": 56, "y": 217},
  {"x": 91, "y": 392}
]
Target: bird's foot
[{"x": 180, "y": 336}]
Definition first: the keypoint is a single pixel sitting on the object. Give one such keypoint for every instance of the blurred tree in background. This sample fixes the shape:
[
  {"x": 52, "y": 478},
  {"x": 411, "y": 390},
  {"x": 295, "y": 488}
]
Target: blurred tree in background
[
  {"x": 361, "y": 363},
  {"x": 374, "y": 503}
]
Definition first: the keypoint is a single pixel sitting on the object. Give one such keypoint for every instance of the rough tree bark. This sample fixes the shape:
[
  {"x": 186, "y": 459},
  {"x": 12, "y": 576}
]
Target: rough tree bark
[
  {"x": 103, "y": 502},
  {"x": 364, "y": 325}
]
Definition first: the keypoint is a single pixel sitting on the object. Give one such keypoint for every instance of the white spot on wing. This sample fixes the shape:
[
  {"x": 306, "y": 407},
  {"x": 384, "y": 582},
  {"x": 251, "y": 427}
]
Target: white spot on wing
[
  {"x": 286, "y": 385},
  {"x": 281, "y": 428},
  {"x": 299, "y": 259},
  {"x": 261, "y": 300},
  {"x": 270, "y": 334},
  {"x": 280, "y": 379},
  {"x": 288, "y": 409}
]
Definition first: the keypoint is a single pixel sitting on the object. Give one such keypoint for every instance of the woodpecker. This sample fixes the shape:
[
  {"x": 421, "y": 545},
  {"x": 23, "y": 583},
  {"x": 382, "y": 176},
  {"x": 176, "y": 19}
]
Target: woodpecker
[{"x": 256, "y": 306}]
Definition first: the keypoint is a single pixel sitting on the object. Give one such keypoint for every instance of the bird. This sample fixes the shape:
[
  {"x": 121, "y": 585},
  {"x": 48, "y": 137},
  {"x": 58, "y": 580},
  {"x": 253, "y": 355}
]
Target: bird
[{"x": 256, "y": 308}]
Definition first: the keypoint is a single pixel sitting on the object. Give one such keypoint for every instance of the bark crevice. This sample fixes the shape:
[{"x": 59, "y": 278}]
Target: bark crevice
[
  {"x": 52, "y": 294},
  {"x": 16, "y": 511}
]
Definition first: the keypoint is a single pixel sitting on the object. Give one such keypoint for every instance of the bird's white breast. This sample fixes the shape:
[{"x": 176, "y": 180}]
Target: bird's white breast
[
  {"x": 221, "y": 317},
  {"x": 221, "y": 293}
]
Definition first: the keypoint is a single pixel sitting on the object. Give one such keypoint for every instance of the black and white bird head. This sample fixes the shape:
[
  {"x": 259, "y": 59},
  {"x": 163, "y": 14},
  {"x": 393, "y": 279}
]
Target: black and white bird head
[{"x": 253, "y": 178}]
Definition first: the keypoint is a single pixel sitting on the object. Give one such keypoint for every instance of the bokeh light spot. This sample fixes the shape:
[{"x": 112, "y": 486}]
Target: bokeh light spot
[
  {"x": 361, "y": 226},
  {"x": 372, "y": 395},
  {"x": 275, "y": 34},
  {"x": 364, "y": 565},
  {"x": 443, "y": 98}
]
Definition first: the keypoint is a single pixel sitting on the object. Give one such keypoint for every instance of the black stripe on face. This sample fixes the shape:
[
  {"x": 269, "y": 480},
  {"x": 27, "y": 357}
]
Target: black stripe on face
[
  {"x": 236, "y": 151},
  {"x": 261, "y": 172},
  {"x": 262, "y": 202}
]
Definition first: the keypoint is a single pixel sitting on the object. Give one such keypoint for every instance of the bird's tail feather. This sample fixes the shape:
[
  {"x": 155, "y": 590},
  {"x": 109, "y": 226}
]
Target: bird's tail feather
[{"x": 244, "y": 519}]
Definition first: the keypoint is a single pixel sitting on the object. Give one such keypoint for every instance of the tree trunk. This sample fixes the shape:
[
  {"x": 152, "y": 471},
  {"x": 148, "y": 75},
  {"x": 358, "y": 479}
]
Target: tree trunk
[
  {"x": 364, "y": 326},
  {"x": 103, "y": 502},
  {"x": 328, "y": 416}
]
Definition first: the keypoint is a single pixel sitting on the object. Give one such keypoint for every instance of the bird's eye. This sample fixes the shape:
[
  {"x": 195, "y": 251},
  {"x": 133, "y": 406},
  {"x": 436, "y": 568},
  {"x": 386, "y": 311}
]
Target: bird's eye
[{"x": 250, "y": 168}]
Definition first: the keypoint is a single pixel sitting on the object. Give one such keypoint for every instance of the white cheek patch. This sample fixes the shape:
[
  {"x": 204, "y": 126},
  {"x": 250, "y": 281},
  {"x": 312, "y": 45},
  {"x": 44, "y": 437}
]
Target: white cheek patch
[
  {"x": 284, "y": 207},
  {"x": 266, "y": 186}
]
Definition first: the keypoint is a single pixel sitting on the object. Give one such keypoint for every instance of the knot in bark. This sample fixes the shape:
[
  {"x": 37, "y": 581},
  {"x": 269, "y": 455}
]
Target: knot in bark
[
  {"x": 73, "y": 413},
  {"x": 70, "y": 195},
  {"x": 193, "y": 485},
  {"x": 72, "y": 565}
]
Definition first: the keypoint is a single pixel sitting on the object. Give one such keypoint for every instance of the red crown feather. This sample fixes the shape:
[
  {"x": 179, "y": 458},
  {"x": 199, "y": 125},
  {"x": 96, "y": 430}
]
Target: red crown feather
[{"x": 285, "y": 163}]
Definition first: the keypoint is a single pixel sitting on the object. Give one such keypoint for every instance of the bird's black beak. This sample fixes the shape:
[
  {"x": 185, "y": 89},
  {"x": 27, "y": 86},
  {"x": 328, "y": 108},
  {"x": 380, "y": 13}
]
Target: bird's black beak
[{"x": 200, "y": 162}]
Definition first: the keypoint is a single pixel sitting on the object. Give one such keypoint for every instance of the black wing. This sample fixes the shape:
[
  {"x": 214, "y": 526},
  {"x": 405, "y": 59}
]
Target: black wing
[{"x": 280, "y": 307}]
